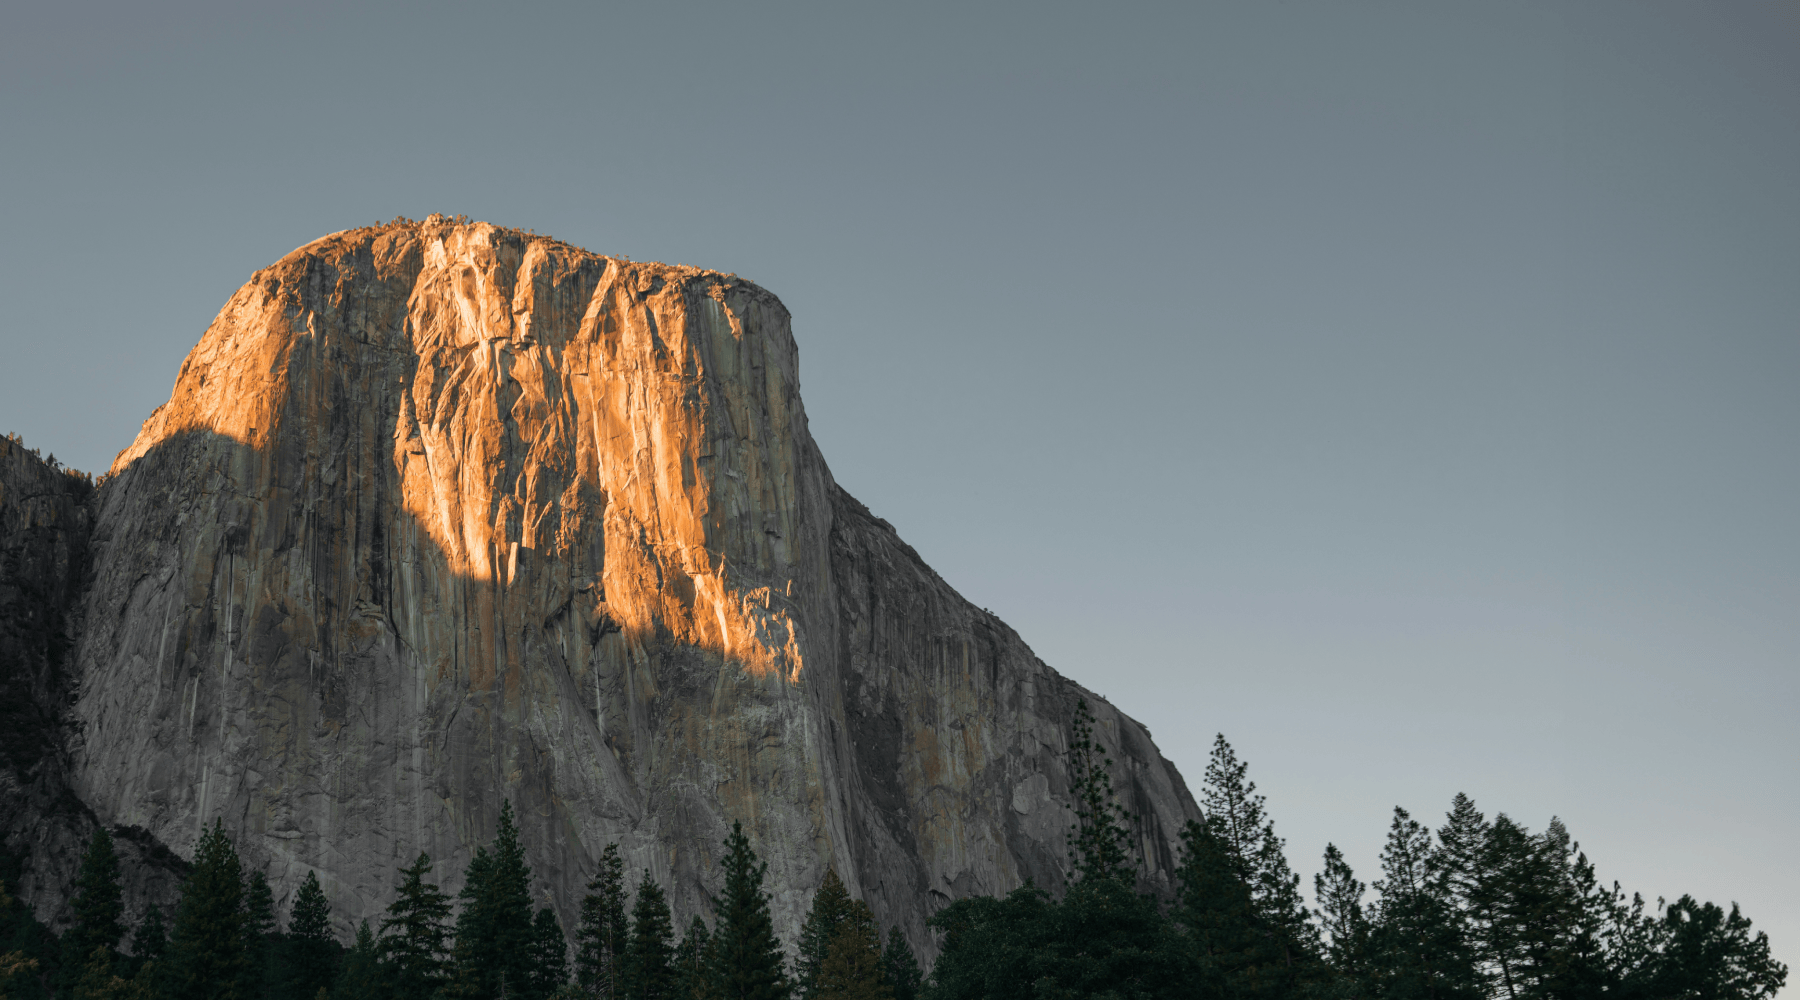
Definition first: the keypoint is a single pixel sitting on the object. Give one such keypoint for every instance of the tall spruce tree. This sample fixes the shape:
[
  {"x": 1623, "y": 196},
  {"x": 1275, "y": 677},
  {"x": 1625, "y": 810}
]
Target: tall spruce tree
[
  {"x": 1459, "y": 860},
  {"x": 311, "y": 951},
  {"x": 1417, "y": 946},
  {"x": 414, "y": 935},
  {"x": 747, "y": 956},
  {"x": 1232, "y": 953},
  {"x": 1519, "y": 907},
  {"x": 852, "y": 967},
  {"x": 1341, "y": 916},
  {"x": 648, "y": 975},
  {"x": 549, "y": 954},
  {"x": 207, "y": 957},
  {"x": 261, "y": 977},
  {"x": 1239, "y": 820},
  {"x": 693, "y": 963},
  {"x": 1233, "y": 809},
  {"x": 361, "y": 976},
  {"x": 98, "y": 906},
  {"x": 901, "y": 966},
  {"x": 1100, "y": 845},
  {"x": 602, "y": 934},
  {"x": 1581, "y": 968},
  {"x": 830, "y": 908},
  {"x": 493, "y": 930}
]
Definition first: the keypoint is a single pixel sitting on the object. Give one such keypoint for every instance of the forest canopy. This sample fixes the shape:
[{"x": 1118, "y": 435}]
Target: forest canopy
[{"x": 1479, "y": 909}]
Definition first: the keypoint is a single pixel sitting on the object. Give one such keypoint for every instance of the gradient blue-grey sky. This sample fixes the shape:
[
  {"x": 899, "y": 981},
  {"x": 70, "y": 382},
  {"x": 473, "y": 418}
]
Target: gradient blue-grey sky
[{"x": 1409, "y": 391}]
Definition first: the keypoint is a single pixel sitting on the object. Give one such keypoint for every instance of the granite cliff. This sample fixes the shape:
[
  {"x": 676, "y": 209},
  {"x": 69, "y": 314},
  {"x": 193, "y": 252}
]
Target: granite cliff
[{"x": 441, "y": 514}]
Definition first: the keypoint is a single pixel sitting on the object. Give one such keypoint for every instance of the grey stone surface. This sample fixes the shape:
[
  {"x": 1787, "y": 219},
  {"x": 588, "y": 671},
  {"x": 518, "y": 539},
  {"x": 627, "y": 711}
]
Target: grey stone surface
[{"x": 440, "y": 515}]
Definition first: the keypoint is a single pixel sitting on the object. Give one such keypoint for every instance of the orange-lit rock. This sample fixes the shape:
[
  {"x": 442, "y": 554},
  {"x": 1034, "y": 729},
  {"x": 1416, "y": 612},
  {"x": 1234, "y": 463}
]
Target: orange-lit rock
[{"x": 443, "y": 514}]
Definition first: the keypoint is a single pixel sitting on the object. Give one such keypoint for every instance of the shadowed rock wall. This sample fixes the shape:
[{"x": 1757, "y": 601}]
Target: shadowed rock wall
[{"x": 440, "y": 515}]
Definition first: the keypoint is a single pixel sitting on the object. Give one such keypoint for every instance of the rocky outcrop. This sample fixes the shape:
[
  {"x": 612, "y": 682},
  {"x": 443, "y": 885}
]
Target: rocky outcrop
[
  {"x": 46, "y": 524},
  {"x": 441, "y": 515}
]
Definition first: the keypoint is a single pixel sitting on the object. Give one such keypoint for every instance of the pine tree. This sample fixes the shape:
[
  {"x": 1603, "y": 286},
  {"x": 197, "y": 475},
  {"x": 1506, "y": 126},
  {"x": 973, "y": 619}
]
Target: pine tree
[
  {"x": 1581, "y": 969},
  {"x": 694, "y": 962},
  {"x": 1239, "y": 820},
  {"x": 648, "y": 975},
  {"x": 901, "y": 966},
  {"x": 1341, "y": 914},
  {"x": 98, "y": 978},
  {"x": 1458, "y": 861},
  {"x": 260, "y": 974},
  {"x": 1517, "y": 905},
  {"x": 150, "y": 942},
  {"x": 747, "y": 955},
  {"x": 1099, "y": 842},
  {"x": 549, "y": 954},
  {"x": 1417, "y": 947},
  {"x": 602, "y": 933},
  {"x": 414, "y": 935},
  {"x": 97, "y": 907},
  {"x": 259, "y": 907},
  {"x": 1707, "y": 953},
  {"x": 361, "y": 977},
  {"x": 1102, "y": 940},
  {"x": 852, "y": 966},
  {"x": 830, "y": 907},
  {"x": 207, "y": 958},
  {"x": 493, "y": 931},
  {"x": 311, "y": 952},
  {"x": 1233, "y": 808},
  {"x": 1232, "y": 953}
]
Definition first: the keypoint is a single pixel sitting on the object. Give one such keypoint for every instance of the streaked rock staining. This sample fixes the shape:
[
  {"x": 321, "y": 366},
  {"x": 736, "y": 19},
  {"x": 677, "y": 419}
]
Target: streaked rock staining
[{"x": 441, "y": 514}]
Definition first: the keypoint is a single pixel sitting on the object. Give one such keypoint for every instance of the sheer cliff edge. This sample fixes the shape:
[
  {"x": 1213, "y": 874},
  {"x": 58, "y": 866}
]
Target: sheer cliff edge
[{"x": 442, "y": 514}]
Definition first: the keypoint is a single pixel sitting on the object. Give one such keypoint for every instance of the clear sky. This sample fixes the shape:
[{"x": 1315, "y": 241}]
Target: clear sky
[{"x": 1410, "y": 392}]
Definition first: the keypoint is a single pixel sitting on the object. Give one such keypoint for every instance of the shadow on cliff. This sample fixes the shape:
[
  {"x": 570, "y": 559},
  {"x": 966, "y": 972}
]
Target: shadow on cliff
[
  {"x": 46, "y": 534},
  {"x": 269, "y": 623}
]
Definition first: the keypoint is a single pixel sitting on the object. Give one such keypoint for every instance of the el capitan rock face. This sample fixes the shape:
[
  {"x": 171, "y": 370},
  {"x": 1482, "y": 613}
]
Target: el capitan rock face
[{"x": 440, "y": 515}]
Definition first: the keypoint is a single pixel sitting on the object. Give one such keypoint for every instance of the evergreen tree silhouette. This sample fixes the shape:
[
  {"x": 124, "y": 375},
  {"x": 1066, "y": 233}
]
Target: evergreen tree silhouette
[
  {"x": 1708, "y": 953},
  {"x": 830, "y": 908},
  {"x": 150, "y": 941},
  {"x": 260, "y": 974},
  {"x": 414, "y": 935},
  {"x": 1341, "y": 915},
  {"x": 902, "y": 968},
  {"x": 207, "y": 955},
  {"x": 648, "y": 975},
  {"x": 549, "y": 954},
  {"x": 1417, "y": 944},
  {"x": 746, "y": 954},
  {"x": 693, "y": 963},
  {"x": 1239, "y": 819},
  {"x": 1100, "y": 845},
  {"x": 1232, "y": 952},
  {"x": 493, "y": 931},
  {"x": 98, "y": 906},
  {"x": 361, "y": 977},
  {"x": 312, "y": 954},
  {"x": 852, "y": 969},
  {"x": 602, "y": 934}
]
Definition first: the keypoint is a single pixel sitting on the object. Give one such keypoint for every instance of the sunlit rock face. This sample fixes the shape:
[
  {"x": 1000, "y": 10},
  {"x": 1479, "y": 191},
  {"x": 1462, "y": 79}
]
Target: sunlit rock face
[{"x": 441, "y": 515}]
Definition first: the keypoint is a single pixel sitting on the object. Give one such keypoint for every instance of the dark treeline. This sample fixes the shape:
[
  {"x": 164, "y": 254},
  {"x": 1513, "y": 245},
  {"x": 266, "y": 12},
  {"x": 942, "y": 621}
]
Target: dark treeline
[{"x": 1481, "y": 910}]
